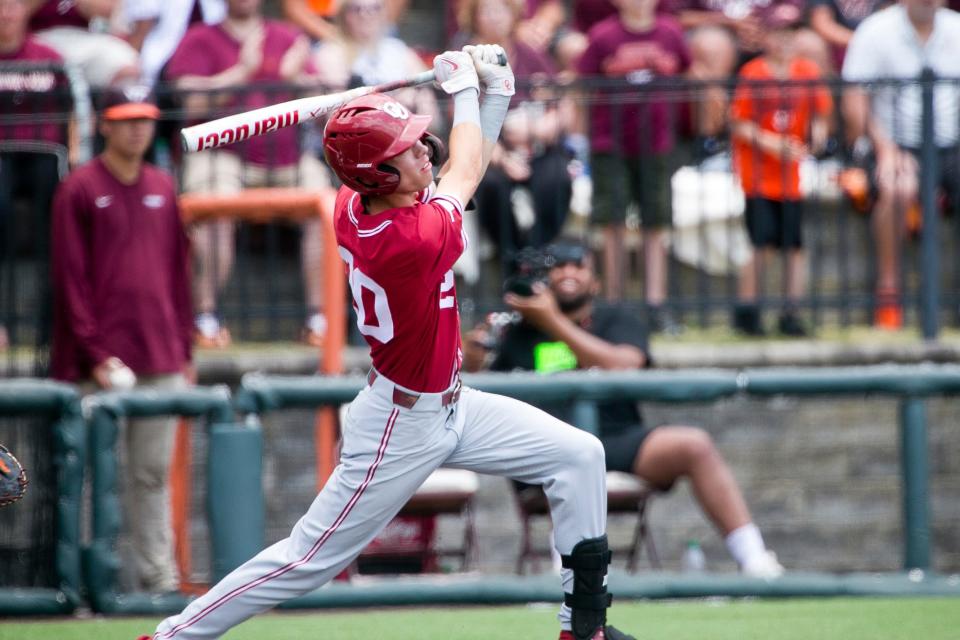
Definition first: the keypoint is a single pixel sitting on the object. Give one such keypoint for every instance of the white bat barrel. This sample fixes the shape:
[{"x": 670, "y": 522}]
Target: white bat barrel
[{"x": 239, "y": 127}]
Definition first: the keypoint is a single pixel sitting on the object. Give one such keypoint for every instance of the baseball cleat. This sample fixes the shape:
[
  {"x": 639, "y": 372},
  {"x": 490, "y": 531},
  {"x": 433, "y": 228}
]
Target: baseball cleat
[{"x": 607, "y": 633}]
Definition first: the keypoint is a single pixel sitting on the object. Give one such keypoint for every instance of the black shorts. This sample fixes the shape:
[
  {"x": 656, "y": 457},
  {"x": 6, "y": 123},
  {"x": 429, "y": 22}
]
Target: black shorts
[
  {"x": 774, "y": 223},
  {"x": 621, "y": 448}
]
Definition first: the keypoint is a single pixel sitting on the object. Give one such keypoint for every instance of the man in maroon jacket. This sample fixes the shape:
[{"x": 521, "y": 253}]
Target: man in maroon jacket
[{"x": 122, "y": 314}]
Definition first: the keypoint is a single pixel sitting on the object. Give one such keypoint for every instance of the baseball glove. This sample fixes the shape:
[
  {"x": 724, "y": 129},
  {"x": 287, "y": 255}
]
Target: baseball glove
[{"x": 13, "y": 479}]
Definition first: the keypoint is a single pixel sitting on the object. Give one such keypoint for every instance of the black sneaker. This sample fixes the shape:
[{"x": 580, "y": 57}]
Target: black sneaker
[
  {"x": 663, "y": 321},
  {"x": 746, "y": 320},
  {"x": 790, "y": 325}
]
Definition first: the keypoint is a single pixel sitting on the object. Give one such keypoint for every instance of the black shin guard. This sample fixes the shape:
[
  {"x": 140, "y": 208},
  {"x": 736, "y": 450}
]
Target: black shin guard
[{"x": 589, "y": 601}]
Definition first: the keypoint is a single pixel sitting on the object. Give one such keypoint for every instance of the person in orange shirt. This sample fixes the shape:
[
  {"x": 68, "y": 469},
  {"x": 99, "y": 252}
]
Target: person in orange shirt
[
  {"x": 317, "y": 18},
  {"x": 778, "y": 118}
]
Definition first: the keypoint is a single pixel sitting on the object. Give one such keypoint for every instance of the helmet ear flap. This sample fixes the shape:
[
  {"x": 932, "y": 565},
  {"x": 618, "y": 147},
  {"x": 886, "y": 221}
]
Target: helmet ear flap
[{"x": 438, "y": 150}]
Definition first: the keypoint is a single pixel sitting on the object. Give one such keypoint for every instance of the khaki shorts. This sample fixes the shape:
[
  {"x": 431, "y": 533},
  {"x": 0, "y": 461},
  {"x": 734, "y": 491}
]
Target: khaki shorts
[
  {"x": 224, "y": 173},
  {"x": 644, "y": 180},
  {"x": 98, "y": 55}
]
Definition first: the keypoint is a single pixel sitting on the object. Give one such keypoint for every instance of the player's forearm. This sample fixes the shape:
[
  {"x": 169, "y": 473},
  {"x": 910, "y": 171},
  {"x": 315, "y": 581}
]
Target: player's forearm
[
  {"x": 466, "y": 141},
  {"x": 493, "y": 112}
]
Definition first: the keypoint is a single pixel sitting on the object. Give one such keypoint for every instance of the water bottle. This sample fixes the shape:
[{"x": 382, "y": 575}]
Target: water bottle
[{"x": 693, "y": 560}]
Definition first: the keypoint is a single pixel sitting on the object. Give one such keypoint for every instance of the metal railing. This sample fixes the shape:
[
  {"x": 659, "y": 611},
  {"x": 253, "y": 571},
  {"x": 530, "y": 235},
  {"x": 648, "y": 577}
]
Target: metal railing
[
  {"x": 264, "y": 299},
  {"x": 910, "y": 385}
]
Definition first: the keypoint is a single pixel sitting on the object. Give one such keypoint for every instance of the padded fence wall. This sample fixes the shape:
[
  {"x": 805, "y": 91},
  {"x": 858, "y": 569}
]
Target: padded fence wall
[{"x": 40, "y": 535}]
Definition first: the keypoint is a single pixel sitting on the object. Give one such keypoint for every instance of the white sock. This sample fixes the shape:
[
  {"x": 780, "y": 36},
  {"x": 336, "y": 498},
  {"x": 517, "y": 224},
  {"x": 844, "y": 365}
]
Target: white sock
[
  {"x": 744, "y": 543},
  {"x": 564, "y": 616}
]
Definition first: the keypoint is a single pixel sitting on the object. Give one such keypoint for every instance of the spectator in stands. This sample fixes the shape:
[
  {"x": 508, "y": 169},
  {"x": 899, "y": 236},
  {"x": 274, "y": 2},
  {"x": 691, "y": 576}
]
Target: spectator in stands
[
  {"x": 314, "y": 17},
  {"x": 836, "y": 20},
  {"x": 157, "y": 26},
  {"x": 365, "y": 55},
  {"x": 743, "y": 18},
  {"x": 26, "y": 169},
  {"x": 122, "y": 305},
  {"x": 632, "y": 145},
  {"x": 538, "y": 26},
  {"x": 220, "y": 66},
  {"x": 563, "y": 328},
  {"x": 898, "y": 42},
  {"x": 317, "y": 18},
  {"x": 713, "y": 57},
  {"x": 68, "y": 28},
  {"x": 524, "y": 198},
  {"x": 771, "y": 127}
]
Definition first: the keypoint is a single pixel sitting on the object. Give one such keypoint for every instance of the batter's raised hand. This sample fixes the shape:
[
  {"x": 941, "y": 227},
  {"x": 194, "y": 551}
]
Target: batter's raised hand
[
  {"x": 454, "y": 72},
  {"x": 493, "y": 68}
]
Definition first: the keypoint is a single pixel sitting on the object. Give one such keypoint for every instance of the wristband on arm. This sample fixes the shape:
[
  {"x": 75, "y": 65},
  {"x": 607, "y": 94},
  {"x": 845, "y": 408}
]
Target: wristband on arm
[
  {"x": 492, "y": 114},
  {"x": 466, "y": 107}
]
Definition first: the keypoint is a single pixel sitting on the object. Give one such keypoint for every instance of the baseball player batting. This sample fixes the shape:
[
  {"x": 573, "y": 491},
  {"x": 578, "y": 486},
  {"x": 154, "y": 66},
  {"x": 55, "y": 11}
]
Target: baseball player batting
[{"x": 399, "y": 235}]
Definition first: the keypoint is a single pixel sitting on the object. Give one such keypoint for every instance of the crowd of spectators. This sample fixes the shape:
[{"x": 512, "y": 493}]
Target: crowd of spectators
[{"x": 623, "y": 126}]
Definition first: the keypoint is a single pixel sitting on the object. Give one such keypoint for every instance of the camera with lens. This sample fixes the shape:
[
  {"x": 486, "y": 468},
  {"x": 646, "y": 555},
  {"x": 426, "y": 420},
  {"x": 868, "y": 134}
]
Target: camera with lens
[{"x": 529, "y": 266}]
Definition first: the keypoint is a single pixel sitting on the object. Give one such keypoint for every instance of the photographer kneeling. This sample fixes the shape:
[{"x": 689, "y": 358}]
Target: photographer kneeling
[{"x": 562, "y": 328}]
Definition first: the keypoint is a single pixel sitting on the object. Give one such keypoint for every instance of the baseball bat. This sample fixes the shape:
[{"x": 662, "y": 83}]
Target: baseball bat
[{"x": 240, "y": 126}]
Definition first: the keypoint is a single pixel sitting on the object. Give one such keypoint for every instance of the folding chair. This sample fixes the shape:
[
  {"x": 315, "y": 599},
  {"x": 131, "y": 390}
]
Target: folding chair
[{"x": 626, "y": 496}]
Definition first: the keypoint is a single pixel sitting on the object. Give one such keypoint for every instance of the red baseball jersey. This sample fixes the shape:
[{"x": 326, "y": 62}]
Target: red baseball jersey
[{"x": 400, "y": 270}]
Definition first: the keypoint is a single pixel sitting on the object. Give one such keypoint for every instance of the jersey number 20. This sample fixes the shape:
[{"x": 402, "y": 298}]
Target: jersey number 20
[{"x": 373, "y": 316}]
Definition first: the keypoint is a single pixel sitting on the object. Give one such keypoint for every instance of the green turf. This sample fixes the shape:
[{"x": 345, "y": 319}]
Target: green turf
[{"x": 795, "y": 619}]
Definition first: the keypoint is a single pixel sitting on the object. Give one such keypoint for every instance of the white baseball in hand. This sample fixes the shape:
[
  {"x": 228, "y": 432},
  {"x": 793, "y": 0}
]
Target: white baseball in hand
[{"x": 122, "y": 378}]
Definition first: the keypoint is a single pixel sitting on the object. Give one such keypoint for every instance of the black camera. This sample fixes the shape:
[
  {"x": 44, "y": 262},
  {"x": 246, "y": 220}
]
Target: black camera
[{"x": 529, "y": 266}]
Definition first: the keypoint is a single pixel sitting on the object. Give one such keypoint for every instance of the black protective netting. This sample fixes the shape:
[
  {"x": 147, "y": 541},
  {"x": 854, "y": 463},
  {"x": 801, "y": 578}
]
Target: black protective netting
[{"x": 28, "y": 527}]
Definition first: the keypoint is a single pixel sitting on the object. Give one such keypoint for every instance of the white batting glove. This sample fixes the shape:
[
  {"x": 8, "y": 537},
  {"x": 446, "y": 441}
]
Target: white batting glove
[
  {"x": 454, "y": 72},
  {"x": 497, "y": 79}
]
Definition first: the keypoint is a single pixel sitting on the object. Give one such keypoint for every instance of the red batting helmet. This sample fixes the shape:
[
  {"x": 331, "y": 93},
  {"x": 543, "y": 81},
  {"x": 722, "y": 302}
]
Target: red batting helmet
[{"x": 365, "y": 132}]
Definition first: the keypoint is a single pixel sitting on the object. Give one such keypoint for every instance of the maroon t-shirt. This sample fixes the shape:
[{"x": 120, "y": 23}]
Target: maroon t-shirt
[
  {"x": 120, "y": 274},
  {"x": 34, "y": 91},
  {"x": 207, "y": 50},
  {"x": 58, "y": 13},
  {"x": 647, "y": 121},
  {"x": 587, "y": 13}
]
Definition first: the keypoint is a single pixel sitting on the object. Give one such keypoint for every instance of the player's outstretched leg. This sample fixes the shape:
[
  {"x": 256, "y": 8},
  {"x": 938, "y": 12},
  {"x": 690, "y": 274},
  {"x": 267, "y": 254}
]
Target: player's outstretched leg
[{"x": 589, "y": 601}]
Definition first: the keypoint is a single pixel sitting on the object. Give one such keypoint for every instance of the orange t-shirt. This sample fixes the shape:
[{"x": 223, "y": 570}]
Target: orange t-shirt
[{"x": 785, "y": 109}]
